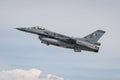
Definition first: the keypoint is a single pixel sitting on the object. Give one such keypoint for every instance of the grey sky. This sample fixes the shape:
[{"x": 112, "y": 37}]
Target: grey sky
[{"x": 71, "y": 17}]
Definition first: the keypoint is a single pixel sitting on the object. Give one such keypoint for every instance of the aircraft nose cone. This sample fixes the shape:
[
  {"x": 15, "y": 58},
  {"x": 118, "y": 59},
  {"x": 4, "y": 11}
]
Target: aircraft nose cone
[
  {"x": 18, "y": 28},
  {"x": 22, "y": 29}
]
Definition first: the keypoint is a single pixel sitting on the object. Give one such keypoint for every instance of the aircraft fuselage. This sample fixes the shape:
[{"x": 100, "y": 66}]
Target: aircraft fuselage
[{"x": 51, "y": 38}]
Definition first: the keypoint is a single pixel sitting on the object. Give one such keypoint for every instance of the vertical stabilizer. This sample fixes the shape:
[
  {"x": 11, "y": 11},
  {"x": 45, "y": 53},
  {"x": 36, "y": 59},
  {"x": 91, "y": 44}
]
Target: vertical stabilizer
[{"x": 95, "y": 36}]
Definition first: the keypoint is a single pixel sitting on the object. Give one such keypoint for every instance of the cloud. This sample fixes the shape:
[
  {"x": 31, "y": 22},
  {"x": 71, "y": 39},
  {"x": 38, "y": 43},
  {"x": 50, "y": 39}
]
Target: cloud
[{"x": 32, "y": 74}]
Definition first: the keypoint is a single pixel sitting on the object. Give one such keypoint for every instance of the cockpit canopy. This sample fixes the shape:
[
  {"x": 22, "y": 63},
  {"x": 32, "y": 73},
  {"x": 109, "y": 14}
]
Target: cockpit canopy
[{"x": 39, "y": 27}]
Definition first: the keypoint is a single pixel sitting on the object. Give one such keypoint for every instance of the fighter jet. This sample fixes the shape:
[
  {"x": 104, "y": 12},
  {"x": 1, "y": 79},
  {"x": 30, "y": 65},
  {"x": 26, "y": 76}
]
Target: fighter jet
[{"x": 87, "y": 43}]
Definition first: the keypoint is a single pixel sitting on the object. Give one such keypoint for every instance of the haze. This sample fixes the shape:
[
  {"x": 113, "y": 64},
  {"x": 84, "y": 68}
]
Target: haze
[{"x": 77, "y": 18}]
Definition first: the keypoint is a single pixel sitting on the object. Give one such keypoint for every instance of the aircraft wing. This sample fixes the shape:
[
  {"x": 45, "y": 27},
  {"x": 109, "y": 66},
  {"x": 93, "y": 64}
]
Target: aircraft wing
[{"x": 68, "y": 40}]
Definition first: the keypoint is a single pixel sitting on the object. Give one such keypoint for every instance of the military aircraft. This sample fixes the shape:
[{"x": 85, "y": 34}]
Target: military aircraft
[{"x": 87, "y": 43}]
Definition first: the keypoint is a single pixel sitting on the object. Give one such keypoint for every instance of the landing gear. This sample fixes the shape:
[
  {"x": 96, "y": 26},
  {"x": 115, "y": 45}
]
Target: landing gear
[
  {"x": 45, "y": 43},
  {"x": 96, "y": 50},
  {"x": 77, "y": 49}
]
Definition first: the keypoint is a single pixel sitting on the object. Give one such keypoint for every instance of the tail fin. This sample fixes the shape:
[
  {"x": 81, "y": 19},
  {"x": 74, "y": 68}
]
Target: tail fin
[{"x": 95, "y": 36}]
